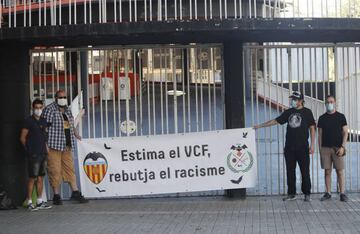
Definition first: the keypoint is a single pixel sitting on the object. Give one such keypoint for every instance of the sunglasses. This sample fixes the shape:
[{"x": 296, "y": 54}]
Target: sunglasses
[{"x": 62, "y": 97}]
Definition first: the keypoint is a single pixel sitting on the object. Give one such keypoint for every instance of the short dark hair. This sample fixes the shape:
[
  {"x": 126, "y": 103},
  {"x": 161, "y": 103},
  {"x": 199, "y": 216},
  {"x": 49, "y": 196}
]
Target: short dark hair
[
  {"x": 330, "y": 96},
  {"x": 37, "y": 102},
  {"x": 58, "y": 92}
]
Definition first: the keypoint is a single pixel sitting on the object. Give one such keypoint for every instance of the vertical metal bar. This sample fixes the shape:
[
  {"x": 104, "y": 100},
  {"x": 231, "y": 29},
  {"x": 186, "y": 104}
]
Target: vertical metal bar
[
  {"x": 101, "y": 91},
  {"x": 120, "y": 10},
  {"x": 211, "y": 10},
  {"x": 189, "y": 79},
  {"x": 70, "y": 13},
  {"x": 114, "y": 78},
  {"x": 250, "y": 9},
  {"x": 153, "y": 91},
  {"x": 148, "y": 88},
  {"x": 130, "y": 11},
  {"x": 214, "y": 69},
  {"x": 52, "y": 76},
  {"x": 175, "y": 9},
  {"x": 277, "y": 113},
  {"x": 181, "y": 14},
  {"x": 316, "y": 115},
  {"x": 45, "y": 77},
  {"x": 255, "y": 13},
  {"x": 270, "y": 116},
  {"x": 266, "y": 77},
  {"x": 140, "y": 90},
  {"x": 66, "y": 72},
  {"x": 135, "y": 89},
  {"x": 220, "y": 8},
  {"x": 209, "y": 69},
  {"x": 196, "y": 12},
  {"x": 205, "y": 8},
  {"x": 115, "y": 12},
  {"x": 150, "y": 15},
  {"x": 119, "y": 70},
  {"x": 183, "y": 88},
  {"x": 201, "y": 90},
  {"x": 357, "y": 125},
  {"x": 135, "y": 6},
  {"x": 225, "y": 7},
  {"x": 166, "y": 89},
  {"x": 240, "y": 8},
  {"x": 93, "y": 93},
  {"x": 196, "y": 91},
  {"x": 161, "y": 92},
  {"x": 127, "y": 78},
  {"x": 350, "y": 111},
  {"x": 175, "y": 89}
]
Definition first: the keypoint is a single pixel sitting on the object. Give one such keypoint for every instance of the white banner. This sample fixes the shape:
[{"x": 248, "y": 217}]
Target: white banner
[{"x": 215, "y": 160}]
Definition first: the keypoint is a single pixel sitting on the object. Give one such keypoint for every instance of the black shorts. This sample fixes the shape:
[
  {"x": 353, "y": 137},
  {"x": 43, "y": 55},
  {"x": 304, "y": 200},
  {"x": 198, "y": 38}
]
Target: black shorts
[{"x": 37, "y": 165}]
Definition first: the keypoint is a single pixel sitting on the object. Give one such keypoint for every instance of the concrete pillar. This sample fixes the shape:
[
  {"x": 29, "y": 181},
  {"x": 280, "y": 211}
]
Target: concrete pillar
[
  {"x": 15, "y": 99},
  {"x": 234, "y": 94}
]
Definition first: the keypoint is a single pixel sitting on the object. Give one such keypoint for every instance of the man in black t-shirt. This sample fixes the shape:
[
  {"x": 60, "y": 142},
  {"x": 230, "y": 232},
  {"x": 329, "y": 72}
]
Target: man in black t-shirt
[
  {"x": 333, "y": 134},
  {"x": 299, "y": 120},
  {"x": 33, "y": 138}
]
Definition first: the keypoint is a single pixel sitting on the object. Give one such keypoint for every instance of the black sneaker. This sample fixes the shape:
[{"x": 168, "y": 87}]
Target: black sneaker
[
  {"x": 307, "y": 197},
  {"x": 57, "y": 200},
  {"x": 325, "y": 197},
  {"x": 343, "y": 197},
  {"x": 289, "y": 198},
  {"x": 77, "y": 196}
]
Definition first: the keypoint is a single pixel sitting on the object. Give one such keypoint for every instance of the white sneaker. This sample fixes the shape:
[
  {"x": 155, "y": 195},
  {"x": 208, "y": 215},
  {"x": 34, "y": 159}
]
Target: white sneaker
[
  {"x": 32, "y": 207},
  {"x": 43, "y": 206}
]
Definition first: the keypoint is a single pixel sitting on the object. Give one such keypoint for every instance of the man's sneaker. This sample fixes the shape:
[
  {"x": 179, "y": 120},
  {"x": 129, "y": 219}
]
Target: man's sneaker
[
  {"x": 307, "y": 197},
  {"x": 289, "y": 198},
  {"x": 57, "y": 200},
  {"x": 343, "y": 197},
  {"x": 43, "y": 206},
  {"x": 32, "y": 207},
  {"x": 325, "y": 197},
  {"x": 78, "y": 197}
]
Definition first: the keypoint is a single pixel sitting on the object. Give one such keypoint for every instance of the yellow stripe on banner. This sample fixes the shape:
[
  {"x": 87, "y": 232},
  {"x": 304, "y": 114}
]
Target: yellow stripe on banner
[{"x": 101, "y": 172}]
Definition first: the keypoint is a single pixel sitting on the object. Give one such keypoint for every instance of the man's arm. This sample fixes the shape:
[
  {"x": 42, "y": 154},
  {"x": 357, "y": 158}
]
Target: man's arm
[
  {"x": 345, "y": 134},
  {"x": 312, "y": 138},
  {"x": 320, "y": 137},
  {"x": 266, "y": 124},
  {"x": 23, "y": 134}
]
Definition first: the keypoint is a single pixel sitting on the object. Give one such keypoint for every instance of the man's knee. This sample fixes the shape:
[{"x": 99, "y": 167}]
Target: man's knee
[{"x": 327, "y": 172}]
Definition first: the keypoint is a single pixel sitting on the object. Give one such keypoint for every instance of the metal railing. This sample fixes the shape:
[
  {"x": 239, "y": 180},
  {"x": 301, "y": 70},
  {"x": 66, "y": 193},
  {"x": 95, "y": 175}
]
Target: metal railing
[
  {"x": 272, "y": 72},
  {"x": 28, "y": 13},
  {"x": 135, "y": 91}
]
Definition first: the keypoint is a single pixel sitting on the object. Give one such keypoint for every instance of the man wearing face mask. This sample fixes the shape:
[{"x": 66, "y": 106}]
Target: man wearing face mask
[
  {"x": 33, "y": 138},
  {"x": 332, "y": 137},
  {"x": 299, "y": 120},
  {"x": 61, "y": 142}
]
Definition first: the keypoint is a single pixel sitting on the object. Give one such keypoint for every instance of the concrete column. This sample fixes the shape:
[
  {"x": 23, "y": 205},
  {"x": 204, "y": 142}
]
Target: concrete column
[
  {"x": 234, "y": 95},
  {"x": 15, "y": 99}
]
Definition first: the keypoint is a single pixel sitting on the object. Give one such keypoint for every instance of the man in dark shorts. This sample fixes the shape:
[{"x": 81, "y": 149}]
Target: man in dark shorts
[
  {"x": 333, "y": 134},
  {"x": 299, "y": 120},
  {"x": 33, "y": 138}
]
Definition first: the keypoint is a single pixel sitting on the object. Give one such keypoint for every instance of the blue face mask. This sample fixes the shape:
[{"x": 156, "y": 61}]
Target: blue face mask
[
  {"x": 330, "y": 107},
  {"x": 293, "y": 103}
]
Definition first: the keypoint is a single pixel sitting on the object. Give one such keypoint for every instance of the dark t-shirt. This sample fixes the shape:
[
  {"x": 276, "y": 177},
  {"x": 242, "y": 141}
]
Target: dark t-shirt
[
  {"x": 36, "y": 138},
  {"x": 331, "y": 125},
  {"x": 297, "y": 131},
  {"x": 67, "y": 130}
]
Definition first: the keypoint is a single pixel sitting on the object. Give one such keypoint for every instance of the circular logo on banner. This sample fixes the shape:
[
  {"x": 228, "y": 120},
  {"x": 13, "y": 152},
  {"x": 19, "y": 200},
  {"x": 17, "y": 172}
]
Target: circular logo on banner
[
  {"x": 128, "y": 127},
  {"x": 240, "y": 159}
]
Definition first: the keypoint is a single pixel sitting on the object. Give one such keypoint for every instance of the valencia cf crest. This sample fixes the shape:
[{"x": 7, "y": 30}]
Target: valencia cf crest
[{"x": 95, "y": 166}]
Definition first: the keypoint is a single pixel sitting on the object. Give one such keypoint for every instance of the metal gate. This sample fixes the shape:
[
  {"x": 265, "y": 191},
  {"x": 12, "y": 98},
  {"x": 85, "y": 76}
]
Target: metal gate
[
  {"x": 134, "y": 91},
  {"x": 271, "y": 73}
]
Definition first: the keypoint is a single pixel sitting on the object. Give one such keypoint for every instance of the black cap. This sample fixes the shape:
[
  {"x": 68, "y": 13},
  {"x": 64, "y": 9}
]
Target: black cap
[{"x": 297, "y": 95}]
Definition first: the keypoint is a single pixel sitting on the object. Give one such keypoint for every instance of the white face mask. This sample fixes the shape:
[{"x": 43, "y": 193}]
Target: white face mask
[
  {"x": 330, "y": 107},
  {"x": 62, "y": 102},
  {"x": 293, "y": 103},
  {"x": 38, "y": 112}
]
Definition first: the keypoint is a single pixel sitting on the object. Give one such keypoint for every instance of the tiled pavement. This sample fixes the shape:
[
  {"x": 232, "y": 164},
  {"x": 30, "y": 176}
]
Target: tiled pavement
[{"x": 190, "y": 215}]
